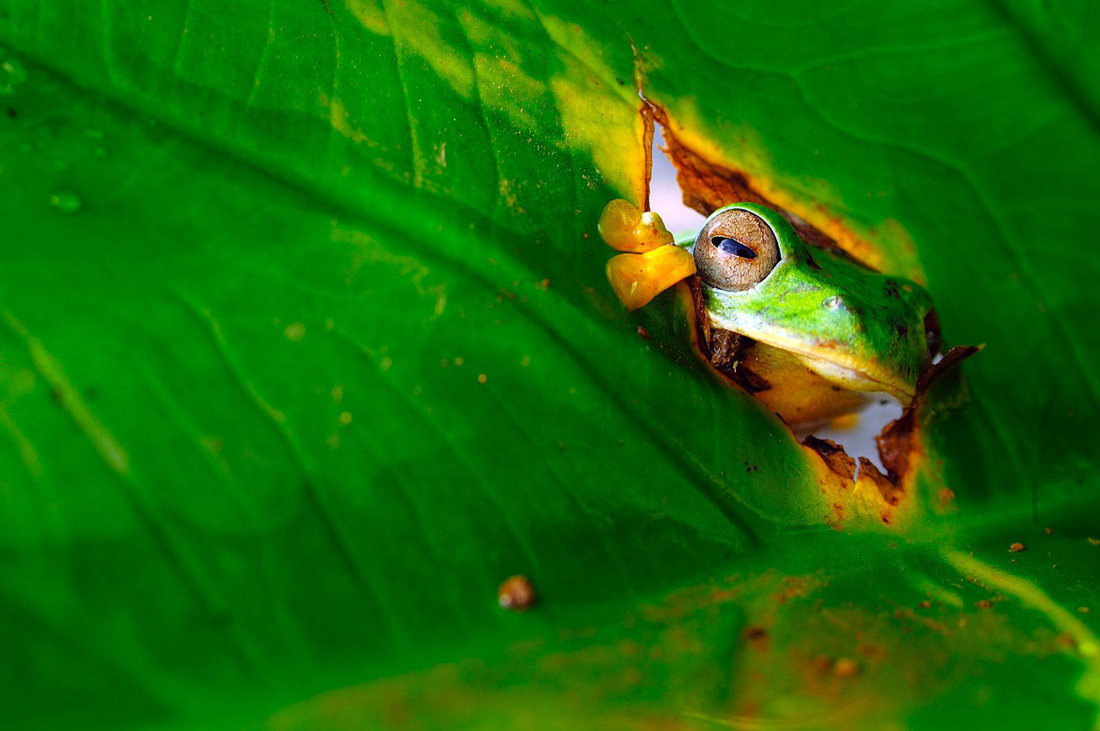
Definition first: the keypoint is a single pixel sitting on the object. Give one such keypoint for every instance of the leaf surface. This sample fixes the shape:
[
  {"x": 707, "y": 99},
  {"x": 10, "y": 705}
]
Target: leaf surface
[{"x": 306, "y": 346}]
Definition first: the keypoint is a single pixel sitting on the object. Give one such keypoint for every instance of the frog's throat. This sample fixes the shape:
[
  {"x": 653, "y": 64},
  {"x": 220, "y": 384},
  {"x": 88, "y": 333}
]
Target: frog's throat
[
  {"x": 836, "y": 369},
  {"x": 857, "y": 380}
]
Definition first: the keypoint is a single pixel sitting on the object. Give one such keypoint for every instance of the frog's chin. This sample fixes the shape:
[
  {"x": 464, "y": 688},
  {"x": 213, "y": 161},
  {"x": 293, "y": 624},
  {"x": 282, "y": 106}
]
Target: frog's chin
[
  {"x": 832, "y": 362},
  {"x": 854, "y": 379}
]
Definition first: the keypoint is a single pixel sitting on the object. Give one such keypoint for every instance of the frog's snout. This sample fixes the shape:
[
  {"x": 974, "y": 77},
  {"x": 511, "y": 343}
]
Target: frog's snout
[{"x": 842, "y": 335}]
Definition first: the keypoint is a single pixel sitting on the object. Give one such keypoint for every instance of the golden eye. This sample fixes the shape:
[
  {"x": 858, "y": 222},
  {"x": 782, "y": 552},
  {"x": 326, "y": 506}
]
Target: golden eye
[{"x": 736, "y": 250}]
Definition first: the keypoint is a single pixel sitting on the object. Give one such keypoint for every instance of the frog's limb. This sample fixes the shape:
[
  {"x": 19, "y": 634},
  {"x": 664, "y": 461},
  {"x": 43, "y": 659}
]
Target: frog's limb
[
  {"x": 638, "y": 278},
  {"x": 624, "y": 228}
]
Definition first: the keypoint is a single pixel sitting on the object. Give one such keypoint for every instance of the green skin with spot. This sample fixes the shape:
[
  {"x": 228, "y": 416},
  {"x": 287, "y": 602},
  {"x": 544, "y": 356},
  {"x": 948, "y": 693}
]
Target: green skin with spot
[{"x": 871, "y": 337}]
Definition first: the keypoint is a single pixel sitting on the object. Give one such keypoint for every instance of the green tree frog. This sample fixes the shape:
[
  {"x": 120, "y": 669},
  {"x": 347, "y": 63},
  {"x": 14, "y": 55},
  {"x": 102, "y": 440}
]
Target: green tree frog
[{"x": 811, "y": 332}]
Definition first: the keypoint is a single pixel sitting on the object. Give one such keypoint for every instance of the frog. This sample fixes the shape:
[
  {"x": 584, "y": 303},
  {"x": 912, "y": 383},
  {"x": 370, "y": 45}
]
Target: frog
[{"x": 810, "y": 331}]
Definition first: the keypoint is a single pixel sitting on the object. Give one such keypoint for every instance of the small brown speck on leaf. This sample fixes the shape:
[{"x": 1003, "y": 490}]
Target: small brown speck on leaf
[
  {"x": 846, "y": 667},
  {"x": 925, "y": 604},
  {"x": 516, "y": 594},
  {"x": 1066, "y": 640},
  {"x": 1048, "y": 531},
  {"x": 1094, "y": 541},
  {"x": 482, "y": 378},
  {"x": 757, "y": 637},
  {"x": 984, "y": 604},
  {"x": 1083, "y": 610},
  {"x": 1017, "y": 547},
  {"x": 643, "y": 333}
]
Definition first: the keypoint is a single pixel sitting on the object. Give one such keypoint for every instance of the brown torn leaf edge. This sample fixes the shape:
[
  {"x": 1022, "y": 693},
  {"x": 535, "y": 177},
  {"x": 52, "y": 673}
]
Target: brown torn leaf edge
[
  {"x": 648, "y": 131},
  {"x": 895, "y": 443},
  {"x": 705, "y": 188},
  {"x": 836, "y": 459}
]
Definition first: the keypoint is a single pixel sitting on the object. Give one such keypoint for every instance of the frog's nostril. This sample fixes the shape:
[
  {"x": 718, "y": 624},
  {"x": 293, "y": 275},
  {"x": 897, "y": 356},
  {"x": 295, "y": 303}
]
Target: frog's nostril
[{"x": 833, "y": 302}]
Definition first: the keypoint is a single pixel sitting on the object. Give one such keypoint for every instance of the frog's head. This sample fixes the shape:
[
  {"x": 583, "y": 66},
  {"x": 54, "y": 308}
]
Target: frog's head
[{"x": 855, "y": 327}]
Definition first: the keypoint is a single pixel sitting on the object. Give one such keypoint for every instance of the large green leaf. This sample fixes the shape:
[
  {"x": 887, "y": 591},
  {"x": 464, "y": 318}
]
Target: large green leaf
[{"x": 306, "y": 346}]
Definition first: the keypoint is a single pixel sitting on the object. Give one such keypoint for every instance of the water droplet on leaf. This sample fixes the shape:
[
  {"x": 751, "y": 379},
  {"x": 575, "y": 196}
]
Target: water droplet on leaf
[
  {"x": 66, "y": 201},
  {"x": 12, "y": 73}
]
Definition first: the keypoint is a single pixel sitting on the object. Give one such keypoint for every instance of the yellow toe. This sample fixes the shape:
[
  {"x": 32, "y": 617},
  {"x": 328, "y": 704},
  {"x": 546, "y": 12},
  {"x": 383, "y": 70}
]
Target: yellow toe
[
  {"x": 638, "y": 278},
  {"x": 624, "y": 228}
]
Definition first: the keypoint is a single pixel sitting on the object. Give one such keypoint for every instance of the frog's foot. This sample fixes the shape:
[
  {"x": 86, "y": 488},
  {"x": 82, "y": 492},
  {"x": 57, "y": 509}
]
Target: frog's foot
[
  {"x": 652, "y": 265},
  {"x": 846, "y": 422}
]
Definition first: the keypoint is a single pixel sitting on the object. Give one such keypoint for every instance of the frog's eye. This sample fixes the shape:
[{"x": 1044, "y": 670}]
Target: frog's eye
[{"x": 736, "y": 250}]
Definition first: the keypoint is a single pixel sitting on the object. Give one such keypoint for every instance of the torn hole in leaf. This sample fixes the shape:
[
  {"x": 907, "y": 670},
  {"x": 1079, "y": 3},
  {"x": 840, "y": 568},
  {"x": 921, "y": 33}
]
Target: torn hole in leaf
[
  {"x": 665, "y": 195},
  {"x": 878, "y": 448},
  {"x": 858, "y": 435}
]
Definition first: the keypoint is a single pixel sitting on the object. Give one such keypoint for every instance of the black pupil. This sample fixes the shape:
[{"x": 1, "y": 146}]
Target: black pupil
[{"x": 733, "y": 246}]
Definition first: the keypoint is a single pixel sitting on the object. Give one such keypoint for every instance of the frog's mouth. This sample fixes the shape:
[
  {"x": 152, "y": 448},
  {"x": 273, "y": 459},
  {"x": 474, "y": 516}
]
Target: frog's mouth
[
  {"x": 833, "y": 362},
  {"x": 836, "y": 367},
  {"x": 731, "y": 352},
  {"x": 836, "y": 371},
  {"x": 857, "y": 379}
]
